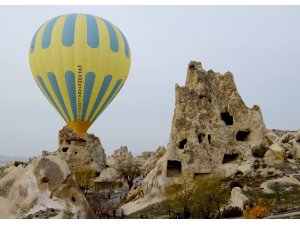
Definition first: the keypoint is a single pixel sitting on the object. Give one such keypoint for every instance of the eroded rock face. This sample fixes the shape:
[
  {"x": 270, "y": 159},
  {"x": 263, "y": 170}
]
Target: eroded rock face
[
  {"x": 151, "y": 161},
  {"x": 237, "y": 198},
  {"x": 284, "y": 145},
  {"x": 211, "y": 127},
  {"x": 79, "y": 152},
  {"x": 42, "y": 188},
  {"x": 121, "y": 153}
]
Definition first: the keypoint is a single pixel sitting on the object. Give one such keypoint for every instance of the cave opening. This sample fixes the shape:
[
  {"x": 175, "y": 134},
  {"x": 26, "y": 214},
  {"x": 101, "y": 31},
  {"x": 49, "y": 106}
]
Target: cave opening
[
  {"x": 201, "y": 137},
  {"x": 44, "y": 180},
  {"x": 197, "y": 175},
  {"x": 68, "y": 142},
  {"x": 229, "y": 158},
  {"x": 242, "y": 135},
  {"x": 182, "y": 143},
  {"x": 209, "y": 139},
  {"x": 227, "y": 118},
  {"x": 73, "y": 199},
  {"x": 65, "y": 149},
  {"x": 173, "y": 168}
]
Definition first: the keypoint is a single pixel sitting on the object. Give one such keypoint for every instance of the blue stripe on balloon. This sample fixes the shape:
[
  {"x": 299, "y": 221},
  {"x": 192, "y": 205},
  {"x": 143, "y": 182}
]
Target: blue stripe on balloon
[
  {"x": 57, "y": 92},
  {"x": 101, "y": 94},
  {"x": 89, "y": 84},
  {"x": 32, "y": 46},
  {"x": 92, "y": 31},
  {"x": 111, "y": 95},
  {"x": 126, "y": 45},
  {"x": 112, "y": 36},
  {"x": 69, "y": 30},
  {"x": 43, "y": 86},
  {"x": 46, "y": 40},
  {"x": 70, "y": 82}
]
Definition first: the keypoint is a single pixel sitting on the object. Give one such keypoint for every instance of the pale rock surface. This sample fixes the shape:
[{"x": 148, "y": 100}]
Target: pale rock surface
[
  {"x": 108, "y": 174},
  {"x": 296, "y": 145},
  {"x": 212, "y": 128},
  {"x": 79, "y": 152},
  {"x": 142, "y": 203},
  {"x": 270, "y": 157},
  {"x": 121, "y": 153},
  {"x": 237, "y": 197},
  {"x": 278, "y": 151},
  {"x": 151, "y": 161},
  {"x": 281, "y": 180},
  {"x": 42, "y": 184}
]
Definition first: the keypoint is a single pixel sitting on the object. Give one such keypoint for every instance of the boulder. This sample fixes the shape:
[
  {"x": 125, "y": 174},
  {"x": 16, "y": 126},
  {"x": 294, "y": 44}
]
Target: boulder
[
  {"x": 151, "y": 161},
  {"x": 79, "y": 152},
  {"x": 237, "y": 197},
  {"x": 278, "y": 151},
  {"x": 42, "y": 188},
  {"x": 296, "y": 145},
  {"x": 269, "y": 157},
  {"x": 285, "y": 180}
]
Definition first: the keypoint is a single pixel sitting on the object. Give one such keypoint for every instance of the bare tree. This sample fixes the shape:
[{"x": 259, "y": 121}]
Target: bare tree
[
  {"x": 277, "y": 188},
  {"x": 85, "y": 178},
  {"x": 203, "y": 197},
  {"x": 102, "y": 206},
  {"x": 128, "y": 169}
]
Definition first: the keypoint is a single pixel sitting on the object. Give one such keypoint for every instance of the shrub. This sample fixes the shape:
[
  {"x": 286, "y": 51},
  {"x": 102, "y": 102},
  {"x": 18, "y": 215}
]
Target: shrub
[
  {"x": 232, "y": 212},
  {"x": 259, "y": 210}
]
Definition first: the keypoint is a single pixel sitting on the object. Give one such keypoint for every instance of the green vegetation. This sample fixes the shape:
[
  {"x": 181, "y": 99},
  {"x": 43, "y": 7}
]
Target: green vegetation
[
  {"x": 289, "y": 198},
  {"x": 200, "y": 198},
  {"x": 85, "y": 178}
]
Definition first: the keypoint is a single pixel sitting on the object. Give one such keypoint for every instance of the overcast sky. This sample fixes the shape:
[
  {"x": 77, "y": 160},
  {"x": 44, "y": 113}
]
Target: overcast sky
[{"x": 259, "y": 45}]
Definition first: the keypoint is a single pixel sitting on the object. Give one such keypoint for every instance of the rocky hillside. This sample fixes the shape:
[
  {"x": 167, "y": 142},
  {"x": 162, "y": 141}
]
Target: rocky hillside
[
  {"x": 213, "y": 131},
  {"x": 45, "y": 186}
]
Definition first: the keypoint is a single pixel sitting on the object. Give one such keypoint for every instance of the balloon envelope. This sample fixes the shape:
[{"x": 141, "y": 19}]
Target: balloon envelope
[{"x": 80, "y": 62}]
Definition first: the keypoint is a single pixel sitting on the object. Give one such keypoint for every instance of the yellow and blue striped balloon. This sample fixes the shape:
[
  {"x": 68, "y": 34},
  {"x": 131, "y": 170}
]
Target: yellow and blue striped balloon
[{"x": 80, "y": 62}]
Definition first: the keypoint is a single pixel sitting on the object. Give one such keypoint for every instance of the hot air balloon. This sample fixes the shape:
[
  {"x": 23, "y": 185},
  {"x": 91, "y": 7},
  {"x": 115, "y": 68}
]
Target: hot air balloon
[{"x": 80, "y": 62}]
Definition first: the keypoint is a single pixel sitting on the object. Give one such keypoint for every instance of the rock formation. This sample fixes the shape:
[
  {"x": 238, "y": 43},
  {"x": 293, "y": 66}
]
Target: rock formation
[
  {"x": 150, "y": 162},
  {"x": 213, "y": 131},
  {"x": 237, "y": 197},
  {"x": 79, "y": 152},
  {"x": 211, "y": 127},
  {"x": 285, "y": 145},
  {"x": 46, "y": 187},
  {"x": 121, "y": 153},
  {"x": 42, "y": 188}
]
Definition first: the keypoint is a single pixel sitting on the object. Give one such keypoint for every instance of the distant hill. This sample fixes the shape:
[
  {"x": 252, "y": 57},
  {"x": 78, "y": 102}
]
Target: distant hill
[{"x": 5, "y": 158}]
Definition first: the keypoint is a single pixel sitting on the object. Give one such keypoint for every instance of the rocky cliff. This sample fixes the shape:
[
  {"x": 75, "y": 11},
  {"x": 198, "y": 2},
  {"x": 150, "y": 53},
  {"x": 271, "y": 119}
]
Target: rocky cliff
[
  {"x": 211, "y": 127},
  {"x": 213, "y": 131},
  {"x": 42, "y": 188},
  {"x": 79, "y": 152},
  {"x": 45, "y": 187}
]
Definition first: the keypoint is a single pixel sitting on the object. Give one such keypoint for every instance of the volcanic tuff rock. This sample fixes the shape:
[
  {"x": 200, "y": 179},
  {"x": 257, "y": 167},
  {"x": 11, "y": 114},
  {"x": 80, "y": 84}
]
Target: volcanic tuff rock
[
  {"x": 237, "y": 197},
  {"x": 79, "y": 152},
  {"x": 42, "y": 188},
  {"x": 121, "y": 153},
  {"x": 211, "y": 127},
  {"x": 150, "y": 162},
  {"x": 46, "y": 186},
  {"x": 213, "y": 131}
]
